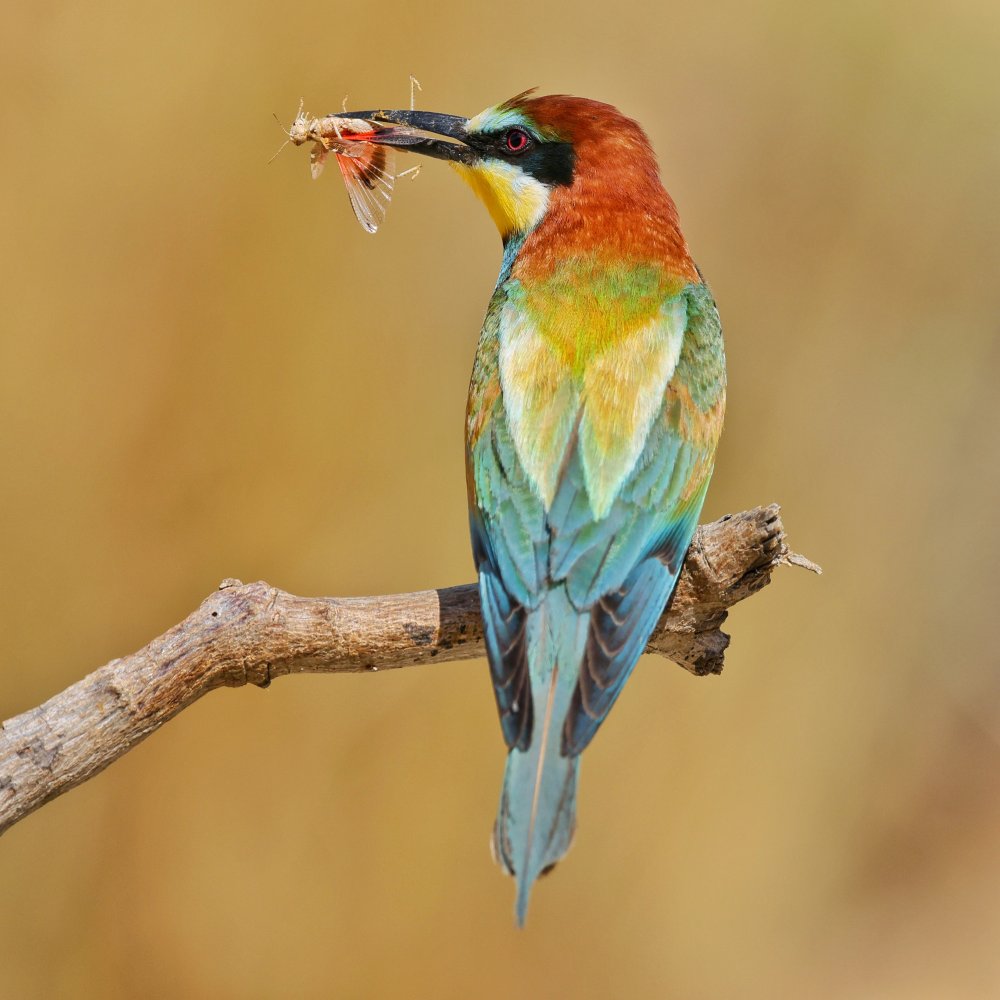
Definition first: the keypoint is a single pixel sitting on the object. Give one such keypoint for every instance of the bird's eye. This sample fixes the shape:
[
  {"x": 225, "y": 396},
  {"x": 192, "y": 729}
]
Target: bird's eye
[{"x": 516, "y": 140}]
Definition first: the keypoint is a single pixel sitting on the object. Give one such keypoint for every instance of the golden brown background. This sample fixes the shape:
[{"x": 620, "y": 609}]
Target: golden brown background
[{"x": 209, "y": 370}]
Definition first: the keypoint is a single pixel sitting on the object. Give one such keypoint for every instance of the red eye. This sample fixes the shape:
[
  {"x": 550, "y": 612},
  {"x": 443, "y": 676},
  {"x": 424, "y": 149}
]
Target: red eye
[{"x": 516, "y": 141}]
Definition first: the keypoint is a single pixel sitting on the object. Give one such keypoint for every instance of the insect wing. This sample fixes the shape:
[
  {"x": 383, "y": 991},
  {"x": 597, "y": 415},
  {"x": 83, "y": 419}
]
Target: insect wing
[
  {"x": 370, "y": 177},
  {"x": 317, "y": 160}
]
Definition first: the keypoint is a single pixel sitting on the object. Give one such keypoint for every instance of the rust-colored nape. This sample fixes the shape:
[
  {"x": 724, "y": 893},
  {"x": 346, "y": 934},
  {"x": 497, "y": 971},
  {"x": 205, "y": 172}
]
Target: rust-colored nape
[{"x": 617, "y": 205}]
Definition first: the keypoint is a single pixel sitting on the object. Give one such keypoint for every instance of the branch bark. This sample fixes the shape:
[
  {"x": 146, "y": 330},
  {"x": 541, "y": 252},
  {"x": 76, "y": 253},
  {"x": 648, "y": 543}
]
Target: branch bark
[{"x": 252, "y": 633}]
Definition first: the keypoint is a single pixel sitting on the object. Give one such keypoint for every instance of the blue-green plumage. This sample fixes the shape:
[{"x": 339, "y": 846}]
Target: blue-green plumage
[{"x": 569, "y": 600}]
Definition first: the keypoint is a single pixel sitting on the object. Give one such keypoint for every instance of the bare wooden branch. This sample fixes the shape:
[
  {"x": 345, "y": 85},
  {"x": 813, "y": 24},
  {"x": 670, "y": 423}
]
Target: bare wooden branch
[{"x": 252, "y": 633}]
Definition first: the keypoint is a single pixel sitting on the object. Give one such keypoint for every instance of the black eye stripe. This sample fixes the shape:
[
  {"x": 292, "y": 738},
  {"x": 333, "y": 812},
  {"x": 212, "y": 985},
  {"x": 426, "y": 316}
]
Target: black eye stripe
[{"x": 547, "y": 160}]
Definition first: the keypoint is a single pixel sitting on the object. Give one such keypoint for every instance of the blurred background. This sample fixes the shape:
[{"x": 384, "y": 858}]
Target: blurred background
[{"x": 207, "y": 369}]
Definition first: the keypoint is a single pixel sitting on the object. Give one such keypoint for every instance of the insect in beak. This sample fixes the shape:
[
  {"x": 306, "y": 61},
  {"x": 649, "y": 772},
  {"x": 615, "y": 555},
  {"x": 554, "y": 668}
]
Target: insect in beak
[{"x": 368, "y": 168}]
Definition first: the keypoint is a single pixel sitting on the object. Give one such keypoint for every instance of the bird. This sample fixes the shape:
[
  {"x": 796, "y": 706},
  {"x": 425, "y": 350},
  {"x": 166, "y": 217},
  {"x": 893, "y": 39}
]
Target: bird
[{"x": 595, "y": 409}]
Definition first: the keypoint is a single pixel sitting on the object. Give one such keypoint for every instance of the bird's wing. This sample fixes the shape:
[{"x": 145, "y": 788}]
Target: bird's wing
[
  {"x": 625, "y": 567},
  {"x": 509, "y": 537},
  {"x": 509, "y": 543},
  {"x": 546, "y": 452}
]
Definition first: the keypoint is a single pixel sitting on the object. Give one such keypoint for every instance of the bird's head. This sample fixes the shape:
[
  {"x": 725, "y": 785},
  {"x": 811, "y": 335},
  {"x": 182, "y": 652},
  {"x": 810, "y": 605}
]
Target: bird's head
[{"x": 531, "y": 155}]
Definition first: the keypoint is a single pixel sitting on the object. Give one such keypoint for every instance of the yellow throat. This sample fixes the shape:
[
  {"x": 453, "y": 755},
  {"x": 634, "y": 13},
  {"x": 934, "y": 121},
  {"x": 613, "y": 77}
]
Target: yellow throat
[{"x": 515, "y": 200}]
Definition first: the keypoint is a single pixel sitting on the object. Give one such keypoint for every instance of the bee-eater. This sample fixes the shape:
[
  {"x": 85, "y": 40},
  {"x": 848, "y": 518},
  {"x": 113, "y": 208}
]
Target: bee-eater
[{"x": 595, "y": 407}]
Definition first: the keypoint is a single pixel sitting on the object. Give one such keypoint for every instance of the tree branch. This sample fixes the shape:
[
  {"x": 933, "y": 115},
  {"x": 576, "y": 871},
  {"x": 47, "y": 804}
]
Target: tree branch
[{"x": 252, "y": 633}]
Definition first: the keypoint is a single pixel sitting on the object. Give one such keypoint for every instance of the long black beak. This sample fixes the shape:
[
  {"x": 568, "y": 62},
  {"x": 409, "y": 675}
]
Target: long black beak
[{"x": 451, "y": 126}]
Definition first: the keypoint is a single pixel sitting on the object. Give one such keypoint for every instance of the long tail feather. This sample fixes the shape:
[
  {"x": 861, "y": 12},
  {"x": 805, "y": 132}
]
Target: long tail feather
[{"x": 537, "y": 813}]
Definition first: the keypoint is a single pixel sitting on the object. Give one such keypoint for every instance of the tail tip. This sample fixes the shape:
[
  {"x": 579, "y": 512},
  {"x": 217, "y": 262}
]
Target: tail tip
[
  {"x": 524, "y": 887},
  {"x": 521, "y": 905}
]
